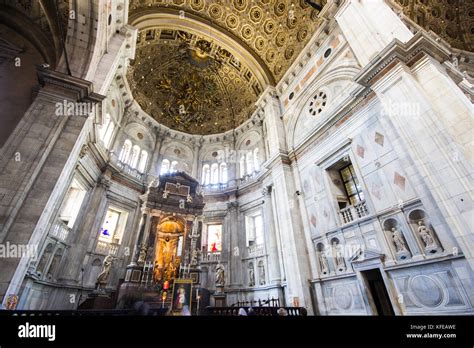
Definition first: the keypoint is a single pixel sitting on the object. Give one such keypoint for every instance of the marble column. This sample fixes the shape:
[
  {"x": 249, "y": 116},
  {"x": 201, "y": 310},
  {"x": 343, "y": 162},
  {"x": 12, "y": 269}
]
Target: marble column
[
  {"x": 48, "y": 142},
  {"x": 274, "y": 273},
  {"x": 141, "y": 235},
  {"x": 234, "y": 245}
]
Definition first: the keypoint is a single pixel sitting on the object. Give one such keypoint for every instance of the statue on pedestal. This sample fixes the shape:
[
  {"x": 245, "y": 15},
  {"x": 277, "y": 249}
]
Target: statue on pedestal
[
  {"x": 142, "y": 255},
  {"x": 194, "y": 257},
  {"x": 103, "y": 276},
  {"x": 220, "y": 275},
  {"x": 340, "y": 265}
]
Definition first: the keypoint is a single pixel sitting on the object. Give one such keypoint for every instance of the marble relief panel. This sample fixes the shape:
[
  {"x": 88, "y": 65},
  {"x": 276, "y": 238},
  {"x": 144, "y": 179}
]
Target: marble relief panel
[
  {"x": 430, "y": 288},
  {"x": 344, "y": 297}
]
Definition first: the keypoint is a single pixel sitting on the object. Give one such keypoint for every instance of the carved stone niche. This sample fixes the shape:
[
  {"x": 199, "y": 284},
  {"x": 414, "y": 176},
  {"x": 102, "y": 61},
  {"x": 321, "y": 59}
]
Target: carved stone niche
[
  {"x": 424, "y": 231},
  {"x": 397, "y": 239},
  {"x": 322, "y": 259},
  {"x": 338, "y": 255}
]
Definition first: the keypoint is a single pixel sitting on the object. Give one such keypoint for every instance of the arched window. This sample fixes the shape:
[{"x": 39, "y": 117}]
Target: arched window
[
  {"x": 142, "y": 161},
  {"x": 173, "y": 168},
  {"x": 206, "y": 174},
  {"x": 125, "y": 153},
  {"x": 165, "y": 166},
  {"x": 108, "y": 134},
  {"x": 223, "y": 173},
  {"x": 242, "y": 166},
  {"x": 135, "y": 156},
  {"x": 214, "y": 173},
  {"x": 249, "y": 162},
  {"x": 256, "y": 164}
]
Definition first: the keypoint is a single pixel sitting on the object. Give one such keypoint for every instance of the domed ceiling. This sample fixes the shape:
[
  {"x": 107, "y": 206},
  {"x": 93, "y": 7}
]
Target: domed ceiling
[
  {"x": 453, "y": 20},
  {"x": 190, "y": 83}
]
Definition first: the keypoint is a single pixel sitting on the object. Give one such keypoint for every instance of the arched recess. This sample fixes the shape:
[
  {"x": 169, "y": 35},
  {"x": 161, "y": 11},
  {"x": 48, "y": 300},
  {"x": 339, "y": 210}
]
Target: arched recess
[
  {"x": 340, "y": 76},
  {"x": 140, "y": 135},
  {"x": 170, "y": 18}
]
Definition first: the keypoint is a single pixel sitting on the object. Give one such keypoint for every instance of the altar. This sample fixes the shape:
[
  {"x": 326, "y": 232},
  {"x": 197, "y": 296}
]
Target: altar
[{"x": 168, "y": 245}]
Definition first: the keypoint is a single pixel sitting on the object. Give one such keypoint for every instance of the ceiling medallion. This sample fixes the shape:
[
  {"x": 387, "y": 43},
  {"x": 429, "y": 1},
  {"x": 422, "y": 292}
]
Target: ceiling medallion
[
  {"x": 215, "y": 11},
  {"x": 256, "y": 14},
  {"x": 269, "y": 26},
  {"x": 280, "y": 8},
  {"x": 247, "y": 32},
  {"x": 232, "y": 21},
  {"x": 240, "y": 5},
  {"x": 259, "y": 43},
  {"x": 197, "y": 5}
]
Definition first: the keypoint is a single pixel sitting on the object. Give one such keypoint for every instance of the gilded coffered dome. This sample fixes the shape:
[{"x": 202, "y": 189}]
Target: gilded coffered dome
[
  {"x": 200, "y": 66},
  {"x": 274, "y": 30},
  {"x": 453, "y": 20},
  {"x": 191, "y": 84}
]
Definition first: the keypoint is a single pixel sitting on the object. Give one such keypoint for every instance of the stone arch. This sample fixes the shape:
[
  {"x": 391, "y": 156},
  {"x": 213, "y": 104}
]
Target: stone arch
[{"x": 336, "y": 76}]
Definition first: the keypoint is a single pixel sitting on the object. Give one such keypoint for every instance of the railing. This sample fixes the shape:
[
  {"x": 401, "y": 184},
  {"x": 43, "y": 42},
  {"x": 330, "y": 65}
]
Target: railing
[
  {"x": 211, "y": 256},
  {"x": 271, "y": 302},
  {"x": 218, "y": 187},
  {"x": 60, "y": 230},
  {"x": 255, "y": 250},
  {"x": 248, "y": 178},
  {"x": 353, "y": 212},
  {"x": 106, "y": 248},
  {"x": 125, "y": 168},
  {"x": 231, "y": 184},
  {"x": 258, "y": 311}
]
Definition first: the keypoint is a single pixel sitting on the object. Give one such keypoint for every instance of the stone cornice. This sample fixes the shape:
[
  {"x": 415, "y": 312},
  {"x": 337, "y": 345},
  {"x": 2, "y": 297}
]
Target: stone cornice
[
  {"x": 72, "y": 87},
  {"x": 407, "y": 53}
]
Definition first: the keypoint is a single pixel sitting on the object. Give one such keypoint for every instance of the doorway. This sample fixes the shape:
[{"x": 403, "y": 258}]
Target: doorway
[{"x": 378, "y": 291}]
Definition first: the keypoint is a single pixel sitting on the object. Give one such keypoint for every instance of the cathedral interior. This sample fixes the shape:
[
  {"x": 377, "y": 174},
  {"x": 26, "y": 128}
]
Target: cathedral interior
[{"x": 210, "y": 155}]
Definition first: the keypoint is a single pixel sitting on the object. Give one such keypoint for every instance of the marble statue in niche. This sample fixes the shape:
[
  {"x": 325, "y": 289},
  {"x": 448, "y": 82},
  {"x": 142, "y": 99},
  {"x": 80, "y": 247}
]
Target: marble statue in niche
[
  {"x": 323, "y": 263},
  {"x": 251, "y": 275},
  {"x": 220, "y": 275},
  {"x": 401, "y": 249},
  {"x": 261, "y": 273},
  {"x": 339, "y": 259},
  {"x": 427, "y": 238},
  {"x": 398, "y": 240}
]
